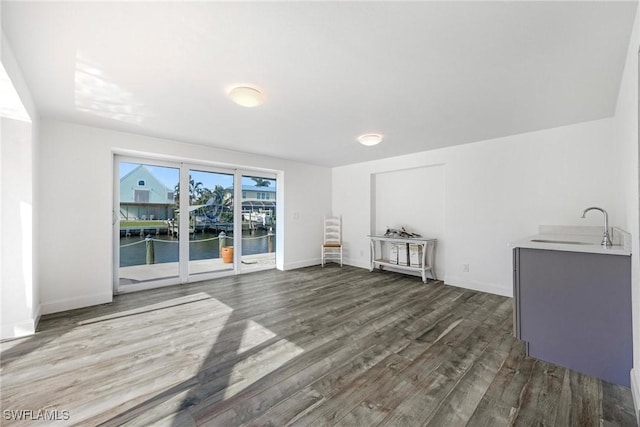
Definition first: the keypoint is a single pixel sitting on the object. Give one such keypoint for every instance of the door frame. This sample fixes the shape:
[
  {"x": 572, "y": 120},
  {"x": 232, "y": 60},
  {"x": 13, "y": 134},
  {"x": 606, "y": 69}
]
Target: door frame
[
  {"x": 238, "y": 196},
  {"x": 184, "y": 166},
  {"x": 117, "y": 287},
  {"x": 184, "y": 243}
]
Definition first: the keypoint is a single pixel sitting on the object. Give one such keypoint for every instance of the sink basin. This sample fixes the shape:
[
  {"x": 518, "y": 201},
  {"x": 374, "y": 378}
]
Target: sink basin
[{"x": 562, "y": 242}]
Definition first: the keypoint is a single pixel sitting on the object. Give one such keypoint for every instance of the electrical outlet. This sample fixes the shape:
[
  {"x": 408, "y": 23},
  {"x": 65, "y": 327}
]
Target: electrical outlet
[
  {"x": 296, "y": 216},
  {"x": 465, "y": 268}
]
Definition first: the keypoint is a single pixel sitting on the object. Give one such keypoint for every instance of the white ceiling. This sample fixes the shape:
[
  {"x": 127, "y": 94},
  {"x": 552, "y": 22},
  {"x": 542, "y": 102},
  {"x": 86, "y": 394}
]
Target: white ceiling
[{"x": 424, "y": 74}]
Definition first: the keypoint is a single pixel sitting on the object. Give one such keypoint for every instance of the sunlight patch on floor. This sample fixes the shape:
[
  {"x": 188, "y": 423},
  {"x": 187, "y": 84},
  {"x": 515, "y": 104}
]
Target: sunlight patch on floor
[
  {"x": 200, "y": 297},
  {"x": 260, "y": 364},
  {"x": 253, "y": 335}
]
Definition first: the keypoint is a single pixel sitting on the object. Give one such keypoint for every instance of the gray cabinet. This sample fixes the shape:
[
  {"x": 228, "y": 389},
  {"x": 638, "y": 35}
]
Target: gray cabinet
[{"x": 574, "y": 310}]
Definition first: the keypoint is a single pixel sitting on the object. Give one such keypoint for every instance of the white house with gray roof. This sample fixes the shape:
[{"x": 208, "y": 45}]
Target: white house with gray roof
[{"x": 143, "y": 196}]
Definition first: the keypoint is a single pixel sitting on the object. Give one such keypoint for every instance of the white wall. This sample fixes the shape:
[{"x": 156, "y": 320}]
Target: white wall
[
  {"x": 75, "y": 245},
  {"x": 422, "y": 208},
  {"x": 496, "y": 191},
  {"x": 626, "y": 128},
  {"x": 19, "y": 304},
  {"x": 19, "y": 297}
]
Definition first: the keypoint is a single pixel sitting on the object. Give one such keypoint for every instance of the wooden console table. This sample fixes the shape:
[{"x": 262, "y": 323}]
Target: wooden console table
[{"x": 422, "y": 263}]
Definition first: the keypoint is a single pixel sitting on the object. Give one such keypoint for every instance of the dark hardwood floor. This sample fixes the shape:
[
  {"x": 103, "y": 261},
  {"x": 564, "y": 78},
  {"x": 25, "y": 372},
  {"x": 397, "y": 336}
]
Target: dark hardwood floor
[{"x": 332, "y": 346}]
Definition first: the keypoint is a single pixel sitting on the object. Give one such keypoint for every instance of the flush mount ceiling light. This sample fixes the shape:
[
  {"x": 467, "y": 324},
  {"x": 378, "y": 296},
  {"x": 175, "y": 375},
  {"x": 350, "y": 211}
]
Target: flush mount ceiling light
[
  {"x": 246, "y": 96},
  {"x": 370, "y": 139}
]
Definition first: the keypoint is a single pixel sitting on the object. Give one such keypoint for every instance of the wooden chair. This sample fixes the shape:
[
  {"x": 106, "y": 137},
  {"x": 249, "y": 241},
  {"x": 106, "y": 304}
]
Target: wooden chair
[{"x": 332, "y": 246}]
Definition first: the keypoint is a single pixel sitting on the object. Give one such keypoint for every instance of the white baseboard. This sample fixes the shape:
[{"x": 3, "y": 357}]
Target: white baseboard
[
  {"x": 448, "y": 279},
  {"x": 36, "y": 316},
  {"x": 476, "y": 285},
  {"x": 635, "y": 392},
  {"x": 73, "y": 303},
  {"x": 357, "y": 263},
  {"x": 19, "y": 329},
  {"x": 458, "y": 281},
  {"x": 22, "y": 328},
  {"x": 302, "y": 264}
]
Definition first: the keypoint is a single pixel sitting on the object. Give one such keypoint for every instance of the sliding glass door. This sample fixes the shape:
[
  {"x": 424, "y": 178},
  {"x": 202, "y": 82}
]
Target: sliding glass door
[
  {"x": 258, "y": 222},
  {"x": 177, "y": 222},
  {"x": 210, "y": 221},
  {"x": 147, "y": 249}
]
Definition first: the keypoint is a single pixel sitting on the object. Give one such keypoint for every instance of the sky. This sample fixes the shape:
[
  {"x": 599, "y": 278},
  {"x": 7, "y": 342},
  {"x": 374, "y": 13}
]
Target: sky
[{"x": 170, "y": 176}]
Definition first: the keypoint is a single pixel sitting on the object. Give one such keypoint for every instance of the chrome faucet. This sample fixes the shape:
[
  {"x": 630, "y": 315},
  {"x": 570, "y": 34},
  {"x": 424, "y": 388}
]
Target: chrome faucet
[{"x": 606, "y": 240}]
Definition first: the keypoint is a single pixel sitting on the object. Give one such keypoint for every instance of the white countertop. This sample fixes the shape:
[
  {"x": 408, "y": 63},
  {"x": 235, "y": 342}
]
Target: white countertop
[{"x": 586, "y": 239}]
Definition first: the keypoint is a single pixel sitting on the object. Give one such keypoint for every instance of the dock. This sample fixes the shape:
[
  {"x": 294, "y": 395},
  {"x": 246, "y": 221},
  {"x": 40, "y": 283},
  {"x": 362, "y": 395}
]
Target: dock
[
  {"x": 143, "y": 273},
  {"x": 171, "y": 227}
]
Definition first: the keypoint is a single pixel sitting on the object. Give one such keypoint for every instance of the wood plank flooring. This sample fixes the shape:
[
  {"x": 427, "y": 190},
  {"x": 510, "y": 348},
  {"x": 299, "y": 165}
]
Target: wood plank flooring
[{"x": 309, "y": 347}]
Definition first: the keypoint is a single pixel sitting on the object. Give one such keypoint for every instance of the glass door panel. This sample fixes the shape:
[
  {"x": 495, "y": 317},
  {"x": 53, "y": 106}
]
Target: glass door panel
[
  {"x": 258, "y": 222},
  {"x": 210, "y": 221},
  {"x": 148, "y": 244}
]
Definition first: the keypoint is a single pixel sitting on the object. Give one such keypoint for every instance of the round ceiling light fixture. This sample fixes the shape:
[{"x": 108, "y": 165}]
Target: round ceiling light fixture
[
  {"x": 247, "y": 96},
  {"x": 370, "y": 139}
]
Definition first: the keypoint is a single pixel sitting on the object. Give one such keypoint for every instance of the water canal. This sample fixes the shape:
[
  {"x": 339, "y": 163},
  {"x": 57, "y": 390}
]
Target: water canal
[{"x": 202, "y": 245}]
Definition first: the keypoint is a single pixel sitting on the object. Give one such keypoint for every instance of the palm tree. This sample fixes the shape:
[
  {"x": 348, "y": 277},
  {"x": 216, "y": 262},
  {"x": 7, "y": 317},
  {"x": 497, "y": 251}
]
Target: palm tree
[
  {"x": 220, "y": 200},
  {"x": 205, "y": 195},
  {"x": 195, "y": 191},
  {"x": 260, "y": 182}
]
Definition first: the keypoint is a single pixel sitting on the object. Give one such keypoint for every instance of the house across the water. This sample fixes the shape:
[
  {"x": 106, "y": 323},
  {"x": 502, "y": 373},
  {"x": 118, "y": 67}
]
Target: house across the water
[{"x": 145, "y": 197}]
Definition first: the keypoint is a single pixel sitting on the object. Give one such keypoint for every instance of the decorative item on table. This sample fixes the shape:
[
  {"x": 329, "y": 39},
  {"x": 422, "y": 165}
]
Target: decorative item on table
[
  {"x": 391, "y": 232},
  {"x": 415, "y": 255},
  {"x": 393, "y": 256},
  {"x": 403, "y": 254}
]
